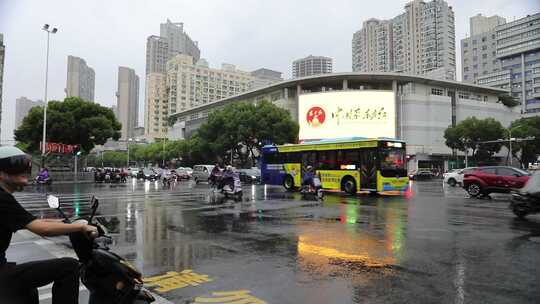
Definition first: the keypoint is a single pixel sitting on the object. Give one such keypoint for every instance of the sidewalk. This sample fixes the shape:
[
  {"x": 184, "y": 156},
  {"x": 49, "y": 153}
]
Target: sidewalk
[{"x": 26, "y": 246}]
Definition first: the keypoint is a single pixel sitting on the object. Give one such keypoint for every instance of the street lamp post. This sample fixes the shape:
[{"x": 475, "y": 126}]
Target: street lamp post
[
  {"x": 127, "y": 143},
  {"x": 49, "y": 31}
]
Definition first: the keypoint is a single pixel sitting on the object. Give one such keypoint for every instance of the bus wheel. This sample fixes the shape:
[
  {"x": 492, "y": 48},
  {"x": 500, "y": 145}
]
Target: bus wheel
[
  {"x": 288, "y": 183},
  {"x": 349, "y": 185}
]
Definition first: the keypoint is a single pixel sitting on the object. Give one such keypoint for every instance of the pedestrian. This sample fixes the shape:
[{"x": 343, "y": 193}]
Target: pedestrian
[{"x": 19, "y": 282}]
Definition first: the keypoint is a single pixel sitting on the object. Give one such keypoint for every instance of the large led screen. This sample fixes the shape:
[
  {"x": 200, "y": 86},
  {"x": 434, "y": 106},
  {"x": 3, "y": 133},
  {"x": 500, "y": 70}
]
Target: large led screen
[{"x": 347, "y": 114}]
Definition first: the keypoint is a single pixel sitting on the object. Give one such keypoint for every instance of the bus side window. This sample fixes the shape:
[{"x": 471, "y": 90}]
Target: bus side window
[
  {"x": 327, "y": 160},
  {"x": 291, "y": 158},
  {"x": 309, "y": 158},
  {"x": 273, "y": 158}
]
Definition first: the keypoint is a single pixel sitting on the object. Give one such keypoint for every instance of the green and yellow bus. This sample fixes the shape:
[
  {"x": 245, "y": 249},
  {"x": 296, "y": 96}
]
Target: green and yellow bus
[{"x": 351, "y": 165}]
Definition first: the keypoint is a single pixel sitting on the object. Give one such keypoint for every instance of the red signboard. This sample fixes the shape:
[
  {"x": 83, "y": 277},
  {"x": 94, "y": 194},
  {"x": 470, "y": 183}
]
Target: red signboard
[{"x": 51, "y": 147}]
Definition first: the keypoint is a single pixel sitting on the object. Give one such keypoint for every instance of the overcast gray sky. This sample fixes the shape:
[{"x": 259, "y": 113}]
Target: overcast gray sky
[{"x": 248, "y": 33}]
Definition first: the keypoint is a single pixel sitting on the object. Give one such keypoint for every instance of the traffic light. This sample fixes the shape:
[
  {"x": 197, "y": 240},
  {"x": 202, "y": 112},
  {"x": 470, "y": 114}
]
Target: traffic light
[{"x": 77, "y": 150}]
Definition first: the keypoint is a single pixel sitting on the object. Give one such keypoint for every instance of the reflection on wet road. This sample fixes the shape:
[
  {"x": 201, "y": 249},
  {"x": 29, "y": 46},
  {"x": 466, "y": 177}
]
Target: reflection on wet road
[{"x": 433, "y": 245}]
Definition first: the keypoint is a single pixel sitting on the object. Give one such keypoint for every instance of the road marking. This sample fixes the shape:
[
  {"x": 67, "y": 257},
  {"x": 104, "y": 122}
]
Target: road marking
[
  {"x": 230, "y": 297},
  {"x": 174, "y": 280}
]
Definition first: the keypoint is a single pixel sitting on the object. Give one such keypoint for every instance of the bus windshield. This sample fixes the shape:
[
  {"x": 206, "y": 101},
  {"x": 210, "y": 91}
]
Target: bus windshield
[{"x": 392, "y": 159}]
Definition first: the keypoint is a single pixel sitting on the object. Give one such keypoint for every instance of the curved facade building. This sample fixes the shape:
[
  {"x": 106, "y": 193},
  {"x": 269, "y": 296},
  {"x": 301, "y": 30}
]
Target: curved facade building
[{"x": 412, "y": 108}]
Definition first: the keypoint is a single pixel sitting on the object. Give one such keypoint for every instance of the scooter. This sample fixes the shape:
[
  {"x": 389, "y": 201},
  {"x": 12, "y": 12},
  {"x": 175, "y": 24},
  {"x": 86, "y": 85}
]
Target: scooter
[
  {"x": 168, "y": 180},
  {"x": 234, "y": 192},
  {"x": 315, "y": 189},
  {"x": 109, "y": 277},
  {"x": 45, "y": 181},
  {"x": 527, "y": 200}
]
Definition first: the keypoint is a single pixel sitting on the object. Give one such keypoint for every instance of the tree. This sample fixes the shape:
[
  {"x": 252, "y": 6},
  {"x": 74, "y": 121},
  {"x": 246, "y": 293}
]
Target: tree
[
  {"x": 508, "y": 101},
  {"x": 469, "y": 133},
  {"x": 73, "y": 121},
  {"x": 526, "y": 151},
  {"x": 239, "y": 128}
]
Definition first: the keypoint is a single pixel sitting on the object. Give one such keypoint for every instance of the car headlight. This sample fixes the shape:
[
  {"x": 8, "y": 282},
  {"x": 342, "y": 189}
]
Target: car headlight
[{"x": 253, "y": 177}]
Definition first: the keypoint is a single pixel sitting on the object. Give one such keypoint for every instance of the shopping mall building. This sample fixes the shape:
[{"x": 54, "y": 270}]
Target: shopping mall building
[{"x": 412, "y": 108}]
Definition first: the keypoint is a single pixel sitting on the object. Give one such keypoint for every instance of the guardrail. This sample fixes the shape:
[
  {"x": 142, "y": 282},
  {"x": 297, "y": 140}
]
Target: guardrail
[{"x": 70, "y": 176}]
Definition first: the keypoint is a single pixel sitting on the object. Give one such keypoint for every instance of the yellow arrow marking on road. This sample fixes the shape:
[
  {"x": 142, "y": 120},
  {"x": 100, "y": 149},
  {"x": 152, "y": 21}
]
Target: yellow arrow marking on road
[
  {"x": 175, "y": 280},
  {"x": 230, "y": 297}
]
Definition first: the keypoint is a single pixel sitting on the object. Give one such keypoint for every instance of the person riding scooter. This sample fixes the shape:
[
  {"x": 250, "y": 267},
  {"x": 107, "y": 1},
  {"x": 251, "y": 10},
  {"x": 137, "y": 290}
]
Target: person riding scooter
[
  {"x": 43, "y": 176},
  {"x": 19, "y": 282},
  {"x": 227, "y": 179},
  {"x": 311, "y": 182},
  {"x": 215, "y": 175},
  {"x": 307, "y": 176}
]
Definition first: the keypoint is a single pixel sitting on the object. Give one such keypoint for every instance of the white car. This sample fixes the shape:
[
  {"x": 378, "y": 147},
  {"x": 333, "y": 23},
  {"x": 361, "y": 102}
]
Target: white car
[{"x": 455, "y": 177}]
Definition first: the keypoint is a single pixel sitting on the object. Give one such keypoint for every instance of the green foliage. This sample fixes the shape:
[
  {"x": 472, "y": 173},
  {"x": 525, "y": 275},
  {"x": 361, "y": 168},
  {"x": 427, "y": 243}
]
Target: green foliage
[
  {"x": 240, "y": 127},
  {"x": 470, "y": 132},
  {"x": 508, "y": 101},
  {"x": 72, "y": 121},
  {"x": 526, "y": 151}
]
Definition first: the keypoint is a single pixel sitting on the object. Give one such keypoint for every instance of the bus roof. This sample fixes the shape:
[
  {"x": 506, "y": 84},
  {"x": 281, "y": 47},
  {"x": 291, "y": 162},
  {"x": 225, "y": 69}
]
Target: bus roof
[{"x": 332, "y": 144}]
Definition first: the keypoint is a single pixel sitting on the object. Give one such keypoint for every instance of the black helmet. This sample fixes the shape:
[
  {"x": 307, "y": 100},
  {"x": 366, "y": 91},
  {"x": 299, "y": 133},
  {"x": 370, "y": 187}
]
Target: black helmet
[{"x": 14, "y": 161}]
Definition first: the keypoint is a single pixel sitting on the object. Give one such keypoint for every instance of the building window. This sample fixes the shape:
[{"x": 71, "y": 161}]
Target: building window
[
  {"x": 437, "y": 91},
  {"x": 463, "y": 95}
]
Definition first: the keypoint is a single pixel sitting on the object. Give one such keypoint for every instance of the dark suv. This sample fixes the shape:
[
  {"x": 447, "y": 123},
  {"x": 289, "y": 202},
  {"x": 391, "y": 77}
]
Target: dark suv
[{"x": 482, "y": 181}]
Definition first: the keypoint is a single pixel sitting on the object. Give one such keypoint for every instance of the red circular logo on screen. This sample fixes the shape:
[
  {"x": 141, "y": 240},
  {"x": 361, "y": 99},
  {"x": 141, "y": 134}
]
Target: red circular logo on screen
[{"x": 315, "y": 116}]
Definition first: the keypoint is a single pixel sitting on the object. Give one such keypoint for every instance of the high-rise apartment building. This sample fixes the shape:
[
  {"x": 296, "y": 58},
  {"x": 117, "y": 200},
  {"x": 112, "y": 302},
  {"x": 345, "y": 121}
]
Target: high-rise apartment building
[
  {"x": 311, "y": 65},
  {"x": 481, "y": 24},
  {"x": 372, "y": 47},
  {"x": 23, "y": 106},
  {"x": 420, "y": 41},
  {"x": 479, "y": 51},
  {"x": 264, "y": 77},
  {"x": 193, "y": 85},
  {"x": 178, "y": 40},
  {"x": 172, "y": 40},
  {"x": 156, "y": 106},
  {"x": 80, "y": 79},
  {"x": 2, "y": 56},
  {"x": 518, "y": 50},
  {"x": 157, "y": 54},
  {"x": 128, "y": 101}
]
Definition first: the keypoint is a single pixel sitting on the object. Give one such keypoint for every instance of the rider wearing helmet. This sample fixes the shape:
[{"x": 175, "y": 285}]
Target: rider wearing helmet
[
  {"x": 19, "y": 282},
  {"x": 307, "y": 177},
  {"x": 227, "y": 178}
]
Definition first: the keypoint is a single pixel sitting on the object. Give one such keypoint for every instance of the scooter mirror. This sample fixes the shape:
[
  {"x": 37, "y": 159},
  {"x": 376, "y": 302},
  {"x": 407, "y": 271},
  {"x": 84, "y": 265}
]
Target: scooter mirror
[{"x": 53, "y": 201}]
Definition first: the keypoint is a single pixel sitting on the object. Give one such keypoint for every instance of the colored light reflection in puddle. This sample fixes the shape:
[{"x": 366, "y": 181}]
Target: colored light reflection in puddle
[{"x": 351, "y": 244}]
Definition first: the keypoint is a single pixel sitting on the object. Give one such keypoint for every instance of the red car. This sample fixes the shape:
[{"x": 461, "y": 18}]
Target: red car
[{"x": 482, "y": 181}]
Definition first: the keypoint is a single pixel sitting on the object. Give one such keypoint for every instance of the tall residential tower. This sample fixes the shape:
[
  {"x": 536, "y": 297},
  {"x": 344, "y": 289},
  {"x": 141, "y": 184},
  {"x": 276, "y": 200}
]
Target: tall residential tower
[
  {"x": 518, "y": 50},
  {"x": 80, "y": 79},
  {"x": 311, "y": 65},
  {"x": 172, "y": 40},
  {"x": 128, "y": 101},
  {"x": 478, "y": 52},
  {"x": 419, "y": 41},
  {"x": 23, "y": 105}
]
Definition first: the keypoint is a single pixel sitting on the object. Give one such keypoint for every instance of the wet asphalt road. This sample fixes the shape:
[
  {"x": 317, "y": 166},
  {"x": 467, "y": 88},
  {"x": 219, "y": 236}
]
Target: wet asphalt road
[{"x": 433, "y": 245}]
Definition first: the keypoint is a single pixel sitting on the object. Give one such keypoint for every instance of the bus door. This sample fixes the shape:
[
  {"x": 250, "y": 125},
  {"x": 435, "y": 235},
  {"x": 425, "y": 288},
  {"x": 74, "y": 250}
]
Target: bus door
[{"x": 368, "y": 168}]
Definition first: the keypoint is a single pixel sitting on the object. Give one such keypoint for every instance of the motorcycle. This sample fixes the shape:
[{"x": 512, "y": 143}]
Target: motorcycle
[
  {"x": 168, "y": 179},
  {"x": 108, "y": 277},
  {"x": 43, "y": 181},
  {"x": 527, "y": 199},
  {"x": 314, "y": 189},
  {"x": 225, "y": 188}
]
